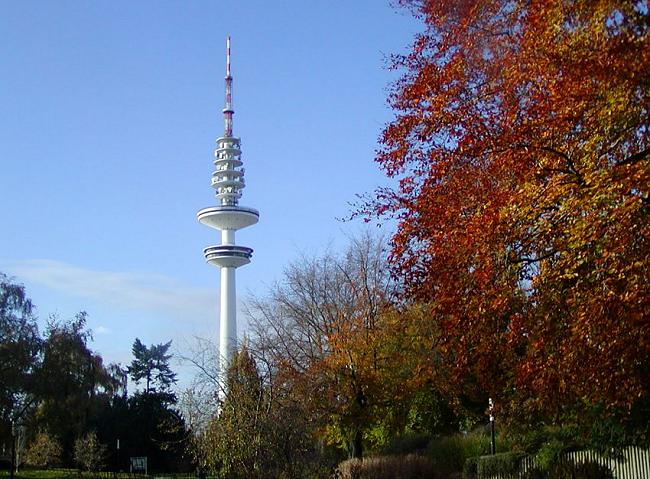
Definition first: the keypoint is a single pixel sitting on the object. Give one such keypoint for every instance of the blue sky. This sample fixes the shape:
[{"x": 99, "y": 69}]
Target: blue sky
[{"x": 110, "y": 110}]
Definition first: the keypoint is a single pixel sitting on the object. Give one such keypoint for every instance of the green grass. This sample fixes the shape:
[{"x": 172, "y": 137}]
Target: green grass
[
  {"x": 66, "y": 474},
  {"x": 42, "y": 474},
  {"x": 74, "y": 474}
]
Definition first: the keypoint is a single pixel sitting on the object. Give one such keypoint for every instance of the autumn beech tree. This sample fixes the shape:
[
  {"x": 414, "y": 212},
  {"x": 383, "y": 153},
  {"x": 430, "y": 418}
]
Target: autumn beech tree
[{"x": 520, "y": 145}]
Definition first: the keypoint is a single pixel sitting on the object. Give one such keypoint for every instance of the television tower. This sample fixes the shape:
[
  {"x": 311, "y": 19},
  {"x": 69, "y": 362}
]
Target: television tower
[{"x": 228, "y": 217}]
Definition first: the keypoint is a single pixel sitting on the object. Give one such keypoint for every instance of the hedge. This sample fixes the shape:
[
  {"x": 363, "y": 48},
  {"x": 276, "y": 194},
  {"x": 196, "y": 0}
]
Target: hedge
[{"x": 504, "y": 464}]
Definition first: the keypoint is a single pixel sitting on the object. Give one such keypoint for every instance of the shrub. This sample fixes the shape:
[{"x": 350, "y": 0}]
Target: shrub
[
  {"x": 470, "y": 469},
  {"x": 550, "y": 453},
  {"x": 502, "y": 464},
  {"x": 583, "y": 470},
  {"x": 408, "y": 443},
  {"x": 387, "y": 467},
  {"x": 44, "y": 451},
  {"x": 535, "y": 473},
  {"x": 592, "y": 470},
  {"x": 449, "y": 454},
  {"x": 561, "y": 469},
  {"x": 89, "y": 453}
]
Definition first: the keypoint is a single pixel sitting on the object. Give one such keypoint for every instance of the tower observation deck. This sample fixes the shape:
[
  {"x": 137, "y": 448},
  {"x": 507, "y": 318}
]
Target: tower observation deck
[{"x": 228, "y": 217}]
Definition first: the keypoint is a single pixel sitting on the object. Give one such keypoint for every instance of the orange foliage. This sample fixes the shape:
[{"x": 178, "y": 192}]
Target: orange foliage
[{"x": 521, "y": 145}]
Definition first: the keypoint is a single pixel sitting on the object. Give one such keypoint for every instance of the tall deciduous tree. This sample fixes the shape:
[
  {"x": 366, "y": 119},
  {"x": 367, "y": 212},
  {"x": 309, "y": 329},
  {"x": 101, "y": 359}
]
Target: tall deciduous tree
[
  {"x": 325, "y": 329},
  {"x": 71, "y": 381},
  {"x": 522, "y": 151},
  {"x": 20, "y": 346}
]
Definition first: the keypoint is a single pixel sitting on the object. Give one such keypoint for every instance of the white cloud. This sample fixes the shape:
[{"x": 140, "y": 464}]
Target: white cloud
[
  {"x": 148, "y": 292},
  {"x": 102, "y": 330}
]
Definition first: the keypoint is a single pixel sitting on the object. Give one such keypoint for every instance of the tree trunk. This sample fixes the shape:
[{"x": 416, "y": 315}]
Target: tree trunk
[
  {"x": 357, "y": 445},
  {"x": 13, "y": 453}
]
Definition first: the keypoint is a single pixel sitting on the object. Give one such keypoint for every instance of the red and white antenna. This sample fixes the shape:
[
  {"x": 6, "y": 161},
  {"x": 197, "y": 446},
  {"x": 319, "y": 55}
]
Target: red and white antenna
[
  {"x": 228, "y": 56},
  {"x": 227, "y": 110}
]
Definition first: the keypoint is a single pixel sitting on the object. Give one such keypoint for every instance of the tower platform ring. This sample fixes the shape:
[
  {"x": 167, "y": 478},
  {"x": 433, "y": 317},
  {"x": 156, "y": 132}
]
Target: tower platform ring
[
  {"x": 234, "y": 162},
  {"x": 228, "y": 256},
  {"x": 217, "y": 182},
  {"x": 228, "y": 217}
]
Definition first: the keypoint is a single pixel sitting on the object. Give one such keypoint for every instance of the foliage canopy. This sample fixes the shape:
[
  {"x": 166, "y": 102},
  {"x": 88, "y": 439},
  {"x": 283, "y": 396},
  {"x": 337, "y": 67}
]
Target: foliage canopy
[{"x": 521, "y": 147}]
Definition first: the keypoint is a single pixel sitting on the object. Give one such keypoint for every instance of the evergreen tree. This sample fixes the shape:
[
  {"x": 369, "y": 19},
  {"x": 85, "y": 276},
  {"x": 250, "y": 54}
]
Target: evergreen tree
[{"x": 151, "y": 364}]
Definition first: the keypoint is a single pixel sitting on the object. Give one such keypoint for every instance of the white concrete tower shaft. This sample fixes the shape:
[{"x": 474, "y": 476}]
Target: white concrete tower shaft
[
  {"x": 228, "y": 314},
  {"x": 228, "y": 217}
]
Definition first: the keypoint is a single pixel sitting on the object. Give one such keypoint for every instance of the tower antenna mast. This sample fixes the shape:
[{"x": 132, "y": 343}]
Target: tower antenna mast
[{"x": 227, "y": 109}]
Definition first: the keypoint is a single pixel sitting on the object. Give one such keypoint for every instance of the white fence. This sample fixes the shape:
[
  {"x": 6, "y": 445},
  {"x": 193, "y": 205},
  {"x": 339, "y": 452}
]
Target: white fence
[{"x": 633, "y": 463}]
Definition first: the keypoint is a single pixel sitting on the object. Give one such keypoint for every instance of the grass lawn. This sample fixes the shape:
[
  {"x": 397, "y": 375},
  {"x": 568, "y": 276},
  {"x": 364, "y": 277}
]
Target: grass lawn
[
  {"x": 74, "y": 474},
  {"x": 42, "y": 473},
  {"x": 66, "y": 474}
]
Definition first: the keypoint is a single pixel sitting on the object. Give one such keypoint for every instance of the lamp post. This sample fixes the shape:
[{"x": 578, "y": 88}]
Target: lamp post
[{"x": 493, "y": 444}]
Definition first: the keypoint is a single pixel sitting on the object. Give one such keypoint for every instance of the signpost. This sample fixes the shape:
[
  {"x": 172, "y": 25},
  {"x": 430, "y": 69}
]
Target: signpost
[{"x": 138, "y": 464}]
